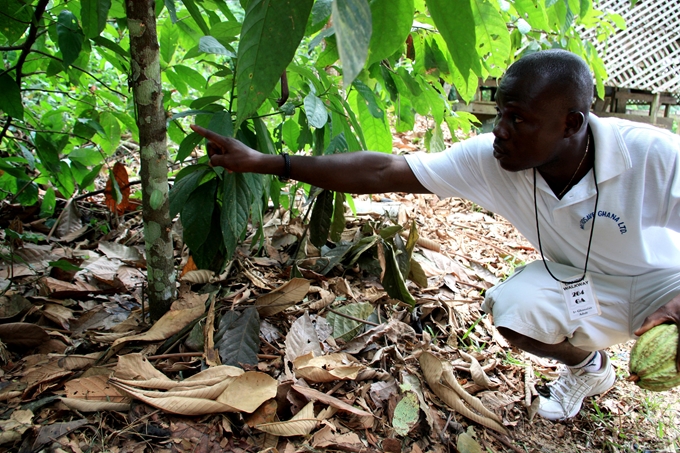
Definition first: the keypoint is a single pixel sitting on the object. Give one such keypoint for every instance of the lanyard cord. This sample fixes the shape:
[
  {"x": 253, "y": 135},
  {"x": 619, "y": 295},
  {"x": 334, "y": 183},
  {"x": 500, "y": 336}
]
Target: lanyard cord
[{"x": 590, "y": 240}]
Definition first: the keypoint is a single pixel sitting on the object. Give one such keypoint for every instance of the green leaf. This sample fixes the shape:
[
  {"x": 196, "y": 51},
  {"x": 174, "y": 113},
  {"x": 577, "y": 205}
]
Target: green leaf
[
  {"x": 338, "y": 225},
  {"x": 221, "y": 123},
  {"x": 320, "y": 13},
  {"x": 47, "y": 151},
  {"x": 109, "y": 142},
  {"x": 172, "y": 9},
  {"x": 370, "y": 98},
  {"x": 238, "y": 337},
  {"x": 108, "y": 44},
  {"x": 392, "y": 20},
  {"x": 406, "y": 414},
  {"x": 197, "y": 214},
  {"x": 48, "y": 204},
  {"x": 226, "y": 31},
  {"x": 169, "y": 40},
  {"x": 188, "y": 145},
  {"x": 192, "y": 77},
  {"x": 376, "y": 131},
  {"x": 93, "y": 14},
  {"x": 353, "y": 28},
  {"x": 393, "y": 280},
  {"x": 320, "y": 222},
  {"x": 176, "y": 81},
  {"x": 90, "y": 177},
  {"x": 17, "y": 16},
  {"x": 493, "y": 37},
  {"x": 316, "y": 112},
  {"x": 455, "y": 22},
  {"x": 65, "y": 265},
  {"x": 264, "y": 140},
  {"x": 87, "y": 156},
  {"x": 208, "y": 44},
  {"x": 364, "y": 244},
  {"x": 346, "y": 328},
  {"x": 196, "y": 15},
  {"x": 10, "y": 97},
  {"x": 533, "y": 11},
  {"x": 69, "y": 36},
  {"x": 272, "y": 31},
  {"x": 235, "y": 209},
  {"x": 184, "y": 186}
]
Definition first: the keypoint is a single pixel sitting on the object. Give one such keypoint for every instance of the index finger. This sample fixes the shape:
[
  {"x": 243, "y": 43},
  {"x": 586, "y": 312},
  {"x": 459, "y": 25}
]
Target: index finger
[{"x": 210, "y": 135}]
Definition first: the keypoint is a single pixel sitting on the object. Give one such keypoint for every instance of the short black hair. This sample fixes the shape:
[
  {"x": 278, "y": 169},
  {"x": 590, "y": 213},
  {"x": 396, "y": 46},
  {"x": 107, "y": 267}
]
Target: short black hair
[{"x": 565, "y": 72}]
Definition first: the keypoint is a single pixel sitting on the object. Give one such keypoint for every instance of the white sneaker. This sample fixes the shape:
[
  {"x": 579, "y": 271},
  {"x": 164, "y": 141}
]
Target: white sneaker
[{"x": 572, "y": 387}]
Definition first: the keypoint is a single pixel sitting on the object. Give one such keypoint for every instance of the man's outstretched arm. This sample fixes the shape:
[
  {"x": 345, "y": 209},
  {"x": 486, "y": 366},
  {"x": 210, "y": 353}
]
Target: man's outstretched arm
[{"x": 361, "y": 172}]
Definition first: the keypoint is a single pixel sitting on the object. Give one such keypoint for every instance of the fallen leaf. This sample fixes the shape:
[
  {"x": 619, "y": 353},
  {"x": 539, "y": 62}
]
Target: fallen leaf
[
  {"x": 248, "y": 391},
  {"x": 117, "y": 191},
  {"x": 192, "y": 306},
  {"x": 327, "y": 368},
  {"x": 282, "y": 297},
  {"x": 330, "y": 400},
  {"x": 302, "y": 339},
  {"x": 22, "y": 334},
  {"x": 12, "y": 430}
]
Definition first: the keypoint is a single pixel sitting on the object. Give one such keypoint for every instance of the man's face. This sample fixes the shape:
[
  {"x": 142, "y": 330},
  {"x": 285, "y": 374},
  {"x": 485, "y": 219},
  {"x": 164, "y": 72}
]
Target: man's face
[{"x": 529, "y": 127}]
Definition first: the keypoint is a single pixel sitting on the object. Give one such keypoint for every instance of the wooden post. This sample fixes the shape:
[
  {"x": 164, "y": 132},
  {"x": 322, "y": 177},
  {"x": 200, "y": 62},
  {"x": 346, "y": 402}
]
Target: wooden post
[{"x": 654, "y": 109}]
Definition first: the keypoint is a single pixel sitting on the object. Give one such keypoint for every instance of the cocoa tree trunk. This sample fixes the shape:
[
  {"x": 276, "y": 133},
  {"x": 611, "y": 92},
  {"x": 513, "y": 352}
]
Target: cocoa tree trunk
[{"x": 145, "y": 80}]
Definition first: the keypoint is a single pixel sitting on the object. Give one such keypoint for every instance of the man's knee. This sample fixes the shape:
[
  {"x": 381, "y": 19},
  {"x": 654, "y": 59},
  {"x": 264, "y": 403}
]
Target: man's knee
[{"x": 514, "y": 338}]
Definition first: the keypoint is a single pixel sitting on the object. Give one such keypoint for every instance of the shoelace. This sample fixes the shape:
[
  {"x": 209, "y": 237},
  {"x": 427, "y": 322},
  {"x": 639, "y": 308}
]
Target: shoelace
[{"x": 568, "y": 385}]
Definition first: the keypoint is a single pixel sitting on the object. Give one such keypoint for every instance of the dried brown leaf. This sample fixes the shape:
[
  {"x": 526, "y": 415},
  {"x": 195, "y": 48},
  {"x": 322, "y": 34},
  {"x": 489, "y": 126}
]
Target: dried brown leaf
[
  {"x": 282, "y": 297},
  {"x": 330, "y": 400}
]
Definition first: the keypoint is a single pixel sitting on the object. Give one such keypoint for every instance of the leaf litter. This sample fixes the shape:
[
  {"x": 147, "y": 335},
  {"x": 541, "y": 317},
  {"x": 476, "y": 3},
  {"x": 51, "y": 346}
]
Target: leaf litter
[{"x": 253, "y": 360}]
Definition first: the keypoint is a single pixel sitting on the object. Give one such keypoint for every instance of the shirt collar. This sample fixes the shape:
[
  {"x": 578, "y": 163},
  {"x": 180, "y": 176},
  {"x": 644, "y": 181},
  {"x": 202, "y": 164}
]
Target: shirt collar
[{"x": 611, "y": 153}]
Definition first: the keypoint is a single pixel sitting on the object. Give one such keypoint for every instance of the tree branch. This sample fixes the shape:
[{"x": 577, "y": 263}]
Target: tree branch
[{"x": 30, "y": 40}]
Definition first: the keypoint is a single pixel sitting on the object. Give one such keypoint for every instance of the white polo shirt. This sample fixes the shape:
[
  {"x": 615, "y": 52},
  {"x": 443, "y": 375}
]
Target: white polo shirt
[{"x": 637, "y": 222}]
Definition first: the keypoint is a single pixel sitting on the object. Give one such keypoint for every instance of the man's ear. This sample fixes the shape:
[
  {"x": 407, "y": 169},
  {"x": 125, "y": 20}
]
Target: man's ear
[{"x": 575, "y": 122}]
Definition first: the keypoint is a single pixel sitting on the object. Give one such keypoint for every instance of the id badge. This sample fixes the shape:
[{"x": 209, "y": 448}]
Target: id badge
[{"x": 580, "y": 298}]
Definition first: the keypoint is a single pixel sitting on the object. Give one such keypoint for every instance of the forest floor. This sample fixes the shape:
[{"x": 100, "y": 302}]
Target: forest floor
[{"x": 338, "y": 365}]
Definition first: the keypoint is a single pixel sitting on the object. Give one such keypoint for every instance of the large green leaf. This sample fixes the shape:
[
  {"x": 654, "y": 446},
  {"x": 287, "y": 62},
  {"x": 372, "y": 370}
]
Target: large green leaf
[
  {"x": 93, "y": 15},
  {"x": 192, "y": 77},
  {"x": 196, "y": 15},
  {"x": 392, "y": 20},
  {"x": 10, "y": 97},
  {"x": 238, "y": 337},
  {"x": 375, "y": 130},
  {"x": 272, "y": 31},
  {"x": 184, "y": 186},
  {"x": 169, "y": 40},
  {"x": 197, "y": 214},
  {"x": 353, "y": 28},
  {"x": 533, "y": 11},
  {"x": 493, "y": 37},
  {"x": 455, "y": 22},
  {"x": 235, "y": 209},
  {"x": 465, "y": 87},
  {"x": 69, "y": 36},
  {"x": 188, "y": 145},
  {"x": 209, "y": 44},
  {"x": 317, "y": 115},
  {"x": 320, "y": 222},
  {"x": 373, "y": 103},
  {"x": 16, "y": 16}
]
